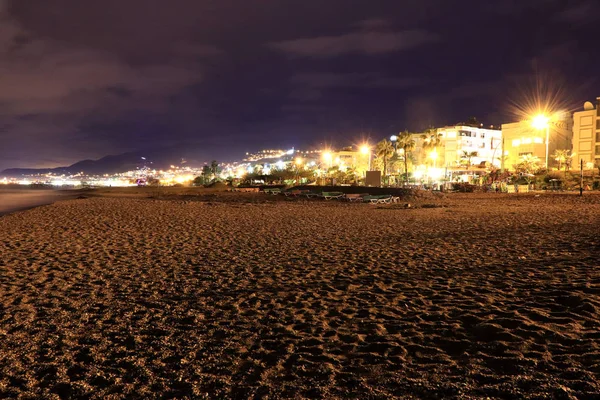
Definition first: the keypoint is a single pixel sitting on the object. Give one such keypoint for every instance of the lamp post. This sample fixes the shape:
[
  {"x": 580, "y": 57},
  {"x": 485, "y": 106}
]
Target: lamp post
[
  {"x": 366, "y": 150},
  {"x": 542, "y": 122},
  {"x": 394, "y": 140},
  {"x": 434, "y": 156},
  {"x": 328, "y": 157}
]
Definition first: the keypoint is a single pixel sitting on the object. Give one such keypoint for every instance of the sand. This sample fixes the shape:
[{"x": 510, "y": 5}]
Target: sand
[{"x": 459, "y": 296}]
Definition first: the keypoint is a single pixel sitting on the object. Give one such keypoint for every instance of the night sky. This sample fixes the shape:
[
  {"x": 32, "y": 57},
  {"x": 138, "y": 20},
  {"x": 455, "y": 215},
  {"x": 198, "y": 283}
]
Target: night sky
[{"x": 83, "y": 79}]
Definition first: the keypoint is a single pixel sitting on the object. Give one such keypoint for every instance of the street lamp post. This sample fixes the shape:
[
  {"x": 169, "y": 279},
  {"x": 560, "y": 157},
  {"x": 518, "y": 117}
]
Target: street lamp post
[
  {"x": 367, "y": 151},
  {"x": 394, "y": 140},
  {"x": 434, "y": 156},
  {"x": 542, "y": 122}
]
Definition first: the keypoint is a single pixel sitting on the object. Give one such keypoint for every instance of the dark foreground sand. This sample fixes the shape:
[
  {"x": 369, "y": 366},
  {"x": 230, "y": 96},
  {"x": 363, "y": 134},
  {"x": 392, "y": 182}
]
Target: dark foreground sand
[{"x": 488, "y": 296}]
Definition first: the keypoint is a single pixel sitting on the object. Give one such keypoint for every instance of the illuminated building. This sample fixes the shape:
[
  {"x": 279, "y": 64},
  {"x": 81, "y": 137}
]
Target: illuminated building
[
  {"x": 586, "y": 133},
  {"x": 523, "y": 138},
  {"x": 457, "y": 140}
]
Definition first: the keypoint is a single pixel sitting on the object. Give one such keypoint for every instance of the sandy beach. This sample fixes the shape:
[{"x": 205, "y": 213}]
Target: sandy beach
[{"x": 459, "y": 296}]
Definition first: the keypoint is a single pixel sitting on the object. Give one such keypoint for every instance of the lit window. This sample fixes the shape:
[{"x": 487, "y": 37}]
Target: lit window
[
  {"x": 451, "y": 134},
  {"x": 538, "y": 140},
  {"x": 526, "y": 141},
  {"x": 516, "y": 143}
]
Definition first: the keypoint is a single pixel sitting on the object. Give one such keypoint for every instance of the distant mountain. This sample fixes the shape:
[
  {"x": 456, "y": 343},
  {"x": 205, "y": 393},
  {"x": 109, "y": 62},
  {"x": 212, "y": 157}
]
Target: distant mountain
[
  {"x": 105, "y": 165},
  {"x": 195, "y": 155}
]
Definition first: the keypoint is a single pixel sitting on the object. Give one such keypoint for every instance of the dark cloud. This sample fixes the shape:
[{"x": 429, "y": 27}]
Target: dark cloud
[
  {"x": 580, "y": 12},
  {"x": 355, "y": 79},
  {"x": 367, "y": 43}
]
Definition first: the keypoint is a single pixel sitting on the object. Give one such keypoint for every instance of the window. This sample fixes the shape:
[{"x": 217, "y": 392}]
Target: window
[
  {"x": 598, "y": 135},
  {"x": 527, "y": 153},
  {"x": 516, "y": 142},
  {"x": 598, "y": 149}
]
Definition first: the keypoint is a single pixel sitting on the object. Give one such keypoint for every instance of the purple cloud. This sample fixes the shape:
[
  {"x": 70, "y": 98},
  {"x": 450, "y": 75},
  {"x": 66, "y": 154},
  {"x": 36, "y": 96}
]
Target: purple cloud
[{"x": 367, "y": 43}]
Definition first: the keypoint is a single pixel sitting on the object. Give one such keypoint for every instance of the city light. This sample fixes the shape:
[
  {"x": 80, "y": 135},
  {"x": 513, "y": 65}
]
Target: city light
[
  {"x": 540, "y": 122},
  {"x": 434, "y": 155},
  {"x": 365, "y": 149}
]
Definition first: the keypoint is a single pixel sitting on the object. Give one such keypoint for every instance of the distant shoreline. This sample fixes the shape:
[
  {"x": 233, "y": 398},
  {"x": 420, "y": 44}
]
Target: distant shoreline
[{"x": 18, "y": 200}]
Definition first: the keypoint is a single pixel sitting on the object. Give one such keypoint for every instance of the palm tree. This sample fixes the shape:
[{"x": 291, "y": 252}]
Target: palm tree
[
  {"x": 384, "y": 150},
  {"x": 407, "y": 144},
  {"x": 467, "y": 156},
  {"x": 561, "y": 156},
  {"x": 528, "y": 166},
  {"x": 214, "y": 169}
]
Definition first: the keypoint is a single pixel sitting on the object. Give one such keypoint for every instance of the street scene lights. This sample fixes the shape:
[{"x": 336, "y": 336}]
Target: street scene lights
[
  {"x": 328, "y": 158},
  {"x": 541, "y": 122},
  {"x": 434, "y": 155},
  {"x": 394, "y": 140},
  {"x": 366, "y": 150}
]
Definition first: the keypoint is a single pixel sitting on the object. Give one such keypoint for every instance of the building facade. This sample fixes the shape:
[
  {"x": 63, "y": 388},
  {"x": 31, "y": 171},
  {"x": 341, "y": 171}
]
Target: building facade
[
  {"x": 456, "y": 142},
  {"x": 522, "y": 139},
  {"x": 586, "y": 134}
]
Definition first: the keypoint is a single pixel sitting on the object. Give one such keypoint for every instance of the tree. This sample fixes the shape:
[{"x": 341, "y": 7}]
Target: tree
[
  {"x": 407, "y": 144},
  {"x": 383, "y": 151},
  {"x": 528, "y": 166},
  {"x": 467, "y": 156},
  {"x": 198, "y": 181},
  {"x": 561, "y": 156},
  {"x": 214, "y": 169},
  {"x": 473, "y": 121},
  {"x": 206, "y": 173}
]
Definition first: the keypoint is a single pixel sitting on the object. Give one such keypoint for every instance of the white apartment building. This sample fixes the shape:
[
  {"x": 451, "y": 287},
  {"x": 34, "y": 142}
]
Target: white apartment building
[{"x": 458, "y": 140}]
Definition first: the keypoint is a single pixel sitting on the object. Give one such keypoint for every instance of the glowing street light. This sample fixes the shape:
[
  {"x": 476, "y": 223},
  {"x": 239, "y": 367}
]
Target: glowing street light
[
  {"x": 327, "y": 157},
  {"x": 540, "y": 122},
  {"x": 434, "y": 155},
  {"x": 394, "y": 140},
  {"x": 366, "y": 150}
]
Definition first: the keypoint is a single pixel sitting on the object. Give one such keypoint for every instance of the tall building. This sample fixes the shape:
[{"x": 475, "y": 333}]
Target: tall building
[
  {"x": 522, "y": 138},
  {"x": 586, "y": 133}
]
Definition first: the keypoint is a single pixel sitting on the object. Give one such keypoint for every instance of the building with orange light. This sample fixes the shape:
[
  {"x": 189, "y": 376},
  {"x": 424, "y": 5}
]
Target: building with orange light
[{"x": 525, "y": 139}]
